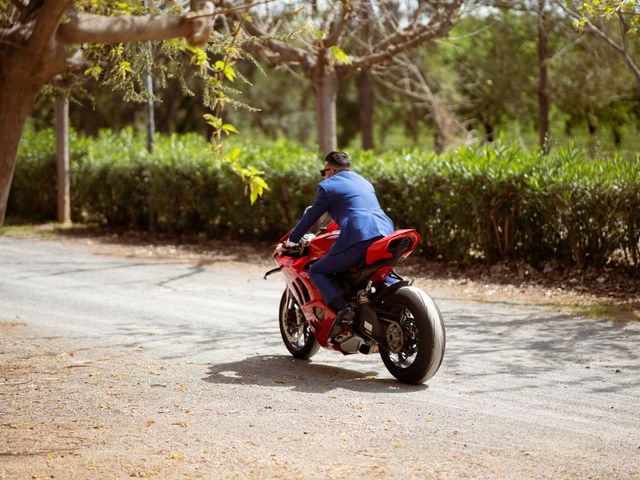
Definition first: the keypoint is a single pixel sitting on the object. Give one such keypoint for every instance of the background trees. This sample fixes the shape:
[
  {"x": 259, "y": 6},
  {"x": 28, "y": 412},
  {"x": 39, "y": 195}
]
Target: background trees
[
  {"x": 340, "y": 38},
  {"x": 483, "y": 76},
  {"x": 385, "y": 74}
]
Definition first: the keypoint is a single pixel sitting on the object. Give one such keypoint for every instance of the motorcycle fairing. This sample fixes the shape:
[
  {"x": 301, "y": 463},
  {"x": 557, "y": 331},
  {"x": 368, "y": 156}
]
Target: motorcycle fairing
[
  {"x": 381, "y": 256},
  {"x": 397, "y": 245}
]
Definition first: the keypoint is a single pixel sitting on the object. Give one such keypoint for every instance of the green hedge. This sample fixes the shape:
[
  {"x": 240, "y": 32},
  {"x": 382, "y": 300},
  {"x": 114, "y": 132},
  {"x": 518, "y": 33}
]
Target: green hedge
[{"x": 493, "y": 202}]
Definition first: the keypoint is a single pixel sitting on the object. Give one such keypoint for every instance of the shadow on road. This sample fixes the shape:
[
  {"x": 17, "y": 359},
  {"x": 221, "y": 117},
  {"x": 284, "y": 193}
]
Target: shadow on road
[{"x": 301, "y": 375}]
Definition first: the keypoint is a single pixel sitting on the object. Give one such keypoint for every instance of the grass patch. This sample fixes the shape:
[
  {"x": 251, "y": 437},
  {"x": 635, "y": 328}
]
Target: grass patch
[
  {"x": 606, "y": 311},
  {"x": 29, "y": 230}
]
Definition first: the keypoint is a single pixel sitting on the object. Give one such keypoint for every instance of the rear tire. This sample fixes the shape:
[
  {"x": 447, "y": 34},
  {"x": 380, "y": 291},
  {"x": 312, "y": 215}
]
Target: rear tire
[
  {"x": 416, "y": 340},
  {"x": 296, "y": 332}
]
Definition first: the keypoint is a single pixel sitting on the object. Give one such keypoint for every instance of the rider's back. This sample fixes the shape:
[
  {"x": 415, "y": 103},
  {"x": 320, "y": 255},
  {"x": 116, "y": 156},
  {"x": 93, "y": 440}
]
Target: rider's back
[{"x": 355, "y": 207}]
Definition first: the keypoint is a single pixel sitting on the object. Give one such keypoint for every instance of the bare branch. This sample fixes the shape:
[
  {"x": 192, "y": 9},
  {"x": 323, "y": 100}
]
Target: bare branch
[
  {"x": 275, "y": 51},
  {"x": 507, "y": 5},
  {"x": 593, "y": 28},
  {"x": 273, "y": 56},
  {"x": 334, "y": 37},
  {"x": 406, "y": 41},
  {"x": 401, "y": 35},
  {"x": 88, "y": 28},
  {"x": 417, "y": 14},
  {"x": 621, "y": 49},
  {"x": 326, "y": 24},
  {"x": 227, "y": 9},
  {"x": 624, "y": 29}
]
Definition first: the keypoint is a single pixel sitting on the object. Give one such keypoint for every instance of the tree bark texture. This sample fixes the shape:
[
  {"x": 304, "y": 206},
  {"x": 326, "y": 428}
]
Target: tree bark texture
[
  {"x": 88, "y": 28},
  {"x": 62, "y": 159},
  {"x": 325, "y": 87},
  {"x": 543, "y": 90},
  {"x": 367, "y": 99}
]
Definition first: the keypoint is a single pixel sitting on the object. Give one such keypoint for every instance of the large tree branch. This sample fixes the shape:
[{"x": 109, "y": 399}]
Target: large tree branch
[
  {"x": 48, "y": 19},
  {"x": 88, "y": 28}
]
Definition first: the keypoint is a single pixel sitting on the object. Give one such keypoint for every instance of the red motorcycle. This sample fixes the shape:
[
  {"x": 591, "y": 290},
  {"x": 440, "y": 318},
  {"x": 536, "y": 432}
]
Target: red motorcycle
[{"x": 398, "y": 320}]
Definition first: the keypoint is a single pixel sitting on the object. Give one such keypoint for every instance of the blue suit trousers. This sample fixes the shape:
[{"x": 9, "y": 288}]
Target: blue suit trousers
[{"x": 321, "y": 271}]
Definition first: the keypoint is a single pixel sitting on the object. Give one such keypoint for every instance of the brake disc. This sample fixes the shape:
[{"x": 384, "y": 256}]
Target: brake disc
[{"x": 395, "y": 337}]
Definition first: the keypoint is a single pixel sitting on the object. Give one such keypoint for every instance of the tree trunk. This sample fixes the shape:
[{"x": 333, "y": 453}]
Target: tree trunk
[
  {"x": 151, "y": 118},
  {"x": 325, "y": 86},
  {"x": 365, "y": 85},
  {"x": 488, "y": 129},
  {"x": 18, "y": 90},
  {"x": 543, "y": 92},
  {"x": 23, "y": 72},
  {"x": 568, "y": 127},
  {"x": 592, "y": 124},
  {"x": 617, "y": 135},
  {"x": 62, "y": 159}
]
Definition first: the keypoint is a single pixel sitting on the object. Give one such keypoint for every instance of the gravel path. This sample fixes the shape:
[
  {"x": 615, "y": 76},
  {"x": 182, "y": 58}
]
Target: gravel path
[{"x": 118, "y": 368}]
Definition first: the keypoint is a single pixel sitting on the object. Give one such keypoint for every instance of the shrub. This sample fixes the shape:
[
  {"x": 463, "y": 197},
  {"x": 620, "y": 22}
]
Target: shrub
[{"x": 497, "y": 202}]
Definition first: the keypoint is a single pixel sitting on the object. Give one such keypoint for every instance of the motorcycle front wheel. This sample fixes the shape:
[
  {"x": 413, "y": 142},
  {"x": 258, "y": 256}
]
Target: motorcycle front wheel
[
  {"x": 296, "y": 332},
  {"x": 415, "y": 336}
]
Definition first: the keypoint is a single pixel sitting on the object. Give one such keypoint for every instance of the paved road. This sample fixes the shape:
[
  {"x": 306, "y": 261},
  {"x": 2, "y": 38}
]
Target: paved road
[{"x": 523, "y": 392}]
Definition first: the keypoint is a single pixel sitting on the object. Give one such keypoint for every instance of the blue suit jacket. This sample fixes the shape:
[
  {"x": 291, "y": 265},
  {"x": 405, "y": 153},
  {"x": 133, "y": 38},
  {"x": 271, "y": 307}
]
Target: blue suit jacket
[{"x": 351, "y": 201}]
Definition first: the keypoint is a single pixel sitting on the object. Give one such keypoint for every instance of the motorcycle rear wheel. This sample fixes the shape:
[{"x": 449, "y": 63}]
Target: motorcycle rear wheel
[
  {"x": 416, "y": 339},
  {"x": 296, "y": 332}
]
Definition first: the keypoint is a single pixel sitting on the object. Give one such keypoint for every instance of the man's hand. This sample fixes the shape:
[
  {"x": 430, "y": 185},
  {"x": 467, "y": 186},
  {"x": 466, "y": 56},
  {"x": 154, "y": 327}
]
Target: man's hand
[{"x": 286, "y": 248}]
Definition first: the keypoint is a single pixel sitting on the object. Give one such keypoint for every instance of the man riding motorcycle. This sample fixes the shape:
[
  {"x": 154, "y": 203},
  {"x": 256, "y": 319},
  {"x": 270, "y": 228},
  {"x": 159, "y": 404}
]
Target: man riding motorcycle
[{"x": 351, "y": 201}]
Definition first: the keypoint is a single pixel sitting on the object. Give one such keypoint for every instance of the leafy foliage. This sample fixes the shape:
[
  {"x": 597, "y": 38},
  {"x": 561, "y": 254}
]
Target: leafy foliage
[{"x": 490, "y": 202}]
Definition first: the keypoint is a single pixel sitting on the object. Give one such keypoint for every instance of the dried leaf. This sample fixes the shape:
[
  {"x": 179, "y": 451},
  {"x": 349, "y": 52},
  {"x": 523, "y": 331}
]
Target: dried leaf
[{"x": 176, "y": 457}]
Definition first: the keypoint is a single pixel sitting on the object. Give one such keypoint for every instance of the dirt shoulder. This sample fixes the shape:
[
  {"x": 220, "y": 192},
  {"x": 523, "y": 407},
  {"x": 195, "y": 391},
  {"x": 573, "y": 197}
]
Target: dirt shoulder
[
  {"x": 76, "y": 408},
  {"x": 608, "y": 293}
]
